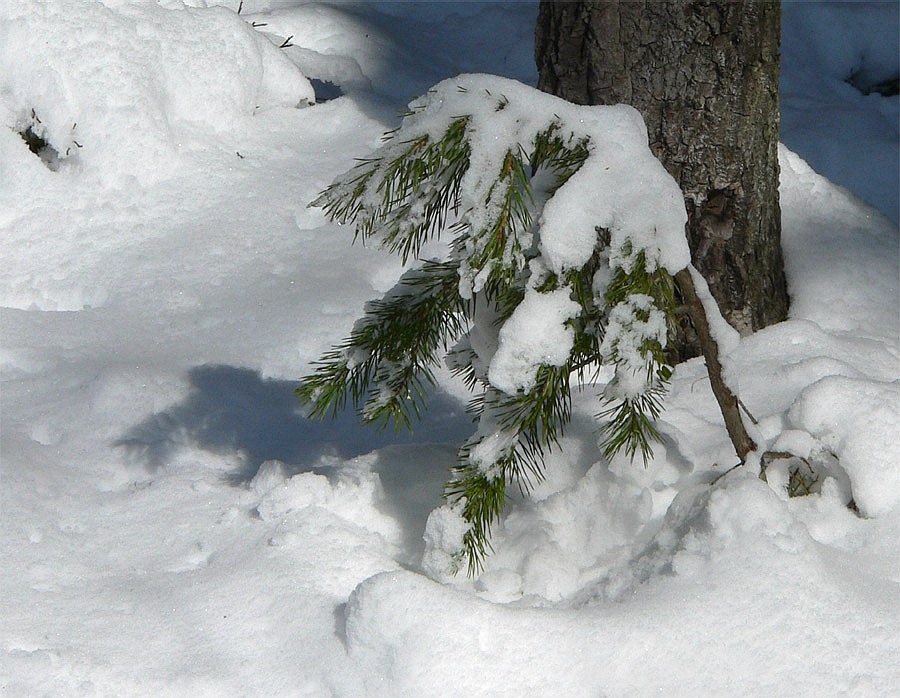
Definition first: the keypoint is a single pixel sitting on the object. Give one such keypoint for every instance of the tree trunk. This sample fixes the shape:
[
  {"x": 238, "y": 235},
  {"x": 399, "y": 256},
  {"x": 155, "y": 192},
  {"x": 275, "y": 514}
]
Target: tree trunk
[{"x": 705, "y": 77}]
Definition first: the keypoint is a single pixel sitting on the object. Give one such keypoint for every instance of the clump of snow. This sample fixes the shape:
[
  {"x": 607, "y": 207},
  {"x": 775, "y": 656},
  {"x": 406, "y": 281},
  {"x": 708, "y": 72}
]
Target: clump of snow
[
  {"x": 352, "y": 493},
  {"x": 564, "y": 542},
  {"x": 725, "y": 336},
  {"x": 444, "y": 533},
  {"x": 632, "y": 323},
  {"x": 536, "y": 334},
  {"x": 859, "y": 420},
  {"x": 490, "y": 444}
]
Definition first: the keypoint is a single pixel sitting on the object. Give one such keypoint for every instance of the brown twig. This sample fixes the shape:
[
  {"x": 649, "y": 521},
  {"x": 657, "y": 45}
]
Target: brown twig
[{"x": 728, "y": 403}]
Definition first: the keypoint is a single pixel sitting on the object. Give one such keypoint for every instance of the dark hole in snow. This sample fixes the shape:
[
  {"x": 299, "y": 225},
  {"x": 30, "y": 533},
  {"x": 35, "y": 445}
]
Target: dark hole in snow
[
  {"x": 325, "y": 90},
  {"x": 889, "y": 87},
  {"x": 39, "y": 146},
  {"x": 34, "y": 142}
]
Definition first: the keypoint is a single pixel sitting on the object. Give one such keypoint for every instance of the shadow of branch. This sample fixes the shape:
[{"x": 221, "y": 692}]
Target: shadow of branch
[{"x": 232, "y": 410}]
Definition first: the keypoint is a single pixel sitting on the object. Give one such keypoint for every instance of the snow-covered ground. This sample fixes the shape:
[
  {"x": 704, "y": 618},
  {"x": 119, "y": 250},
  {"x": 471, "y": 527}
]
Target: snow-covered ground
[{"x": 171, "y": 526}]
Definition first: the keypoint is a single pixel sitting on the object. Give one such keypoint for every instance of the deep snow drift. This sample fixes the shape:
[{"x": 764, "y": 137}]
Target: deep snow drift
[{"x": 170, "y": 525}]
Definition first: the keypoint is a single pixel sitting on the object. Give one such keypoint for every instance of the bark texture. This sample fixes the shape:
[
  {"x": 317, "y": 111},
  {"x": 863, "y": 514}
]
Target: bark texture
[{"x": 705, "y": 77}]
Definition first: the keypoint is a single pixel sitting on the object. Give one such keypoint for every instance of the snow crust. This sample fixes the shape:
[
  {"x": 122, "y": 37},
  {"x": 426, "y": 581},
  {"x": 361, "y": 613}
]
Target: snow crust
[{"x": 170, "y": 526}]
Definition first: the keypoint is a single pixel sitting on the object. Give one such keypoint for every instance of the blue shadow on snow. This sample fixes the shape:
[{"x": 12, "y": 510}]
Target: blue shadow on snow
[{"x": 231, "y": 410}]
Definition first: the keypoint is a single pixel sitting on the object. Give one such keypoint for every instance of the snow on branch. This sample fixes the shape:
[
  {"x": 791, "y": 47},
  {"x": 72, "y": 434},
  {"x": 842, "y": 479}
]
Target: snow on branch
[{"x": 565, "y": 234}]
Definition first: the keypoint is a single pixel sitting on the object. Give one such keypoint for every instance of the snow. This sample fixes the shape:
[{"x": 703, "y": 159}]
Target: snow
[
  {"x": 535, "y": 334},
  {"x": 136, "y": 84},
  {"x": 723, "y": 563},
  {"x": 858, "y": 420},
  {"x": 831, "y": 53},
  {"x": 170, "y": 525}
]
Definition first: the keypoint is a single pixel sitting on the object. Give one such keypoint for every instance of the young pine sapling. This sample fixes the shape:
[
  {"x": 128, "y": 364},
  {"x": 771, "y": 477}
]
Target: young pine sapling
[{"x": 566, "y": 239}]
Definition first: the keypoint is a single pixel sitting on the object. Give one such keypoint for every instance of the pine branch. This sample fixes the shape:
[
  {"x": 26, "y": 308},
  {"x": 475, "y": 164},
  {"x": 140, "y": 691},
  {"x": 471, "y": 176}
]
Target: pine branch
[
  {"x": 630, "y": 425},
  {"x": 490, "y": 240},
  {"x": 404, "y": 196},
  {"x": 563, "y": 156},
  {"x": 631, "y": 413},
  {"x": 485, "y": 499},
  {"x": 385, "y": 367}
]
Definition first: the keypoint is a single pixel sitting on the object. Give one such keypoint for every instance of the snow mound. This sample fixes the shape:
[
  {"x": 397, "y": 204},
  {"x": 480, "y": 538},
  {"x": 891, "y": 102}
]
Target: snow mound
[
  {"x": 352, "y": 495},
  {"x": 844, "y": 41},
  {"x": 535, "y": 334},
  {"x": 720, "y": 557},
  {"x": 859, "y": 420},
  {"x": 115, "y": 103},
  {"x": 120, "y": 92},
  {"x": 834, "y": 55},
  {"x": 340, "y": 509}
]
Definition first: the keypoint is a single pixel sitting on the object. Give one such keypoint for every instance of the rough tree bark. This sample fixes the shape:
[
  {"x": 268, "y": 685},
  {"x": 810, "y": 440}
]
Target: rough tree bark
[{"x": 705, "y": 77}]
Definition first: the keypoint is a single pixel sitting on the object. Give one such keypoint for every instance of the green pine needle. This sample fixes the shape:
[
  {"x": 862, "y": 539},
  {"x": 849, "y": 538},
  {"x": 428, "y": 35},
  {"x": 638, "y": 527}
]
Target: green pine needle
[{"x": 385, "y": 368}]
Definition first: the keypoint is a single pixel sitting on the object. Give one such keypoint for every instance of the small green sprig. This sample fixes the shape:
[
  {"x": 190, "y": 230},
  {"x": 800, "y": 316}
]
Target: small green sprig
[
  {"x": 385, "y": 367},
  {"x": 404, "y": 196}
]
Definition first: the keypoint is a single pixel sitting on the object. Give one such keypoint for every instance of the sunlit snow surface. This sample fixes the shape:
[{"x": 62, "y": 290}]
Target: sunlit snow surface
[{"x": 171, "y": 526}]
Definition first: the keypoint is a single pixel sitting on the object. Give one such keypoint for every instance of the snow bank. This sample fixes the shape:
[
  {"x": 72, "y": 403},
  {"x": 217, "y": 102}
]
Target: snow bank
[
  {"x": 840, "y": 254},
  {"x": 354, "y": 47},
  {"x": 121, "y": 92},
  {"x": 837, "y": 42},
  {"x": 332, "y": 44},
  {"x": 735, "y": 569}
]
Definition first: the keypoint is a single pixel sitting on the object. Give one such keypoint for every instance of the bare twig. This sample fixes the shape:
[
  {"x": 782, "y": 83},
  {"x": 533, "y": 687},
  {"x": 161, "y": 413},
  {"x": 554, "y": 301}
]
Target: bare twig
[
  {"x": 723, "y": 474},
  {"x": 728, "y": 403},
  {"x": 747, "y": 412},
  {"x": 769, "y": 456}
]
